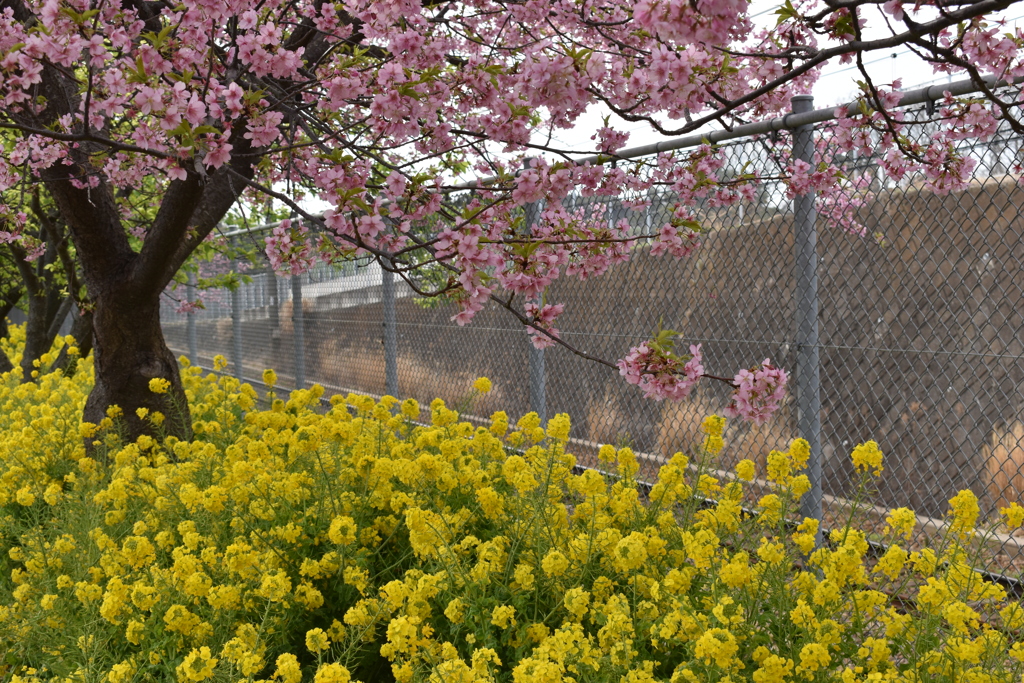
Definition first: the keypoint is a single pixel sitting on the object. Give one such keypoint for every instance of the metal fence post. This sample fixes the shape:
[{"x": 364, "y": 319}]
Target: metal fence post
[
  {"x": 808, "y": 386},
  {"x": 193, "y": 340},
  {"x": 273, "y": 316},
  {"x": 236, "y": 324},
  {"x": 298, "y": 332},
  {"x": 538, "y": 379},
  {"x": 390, "y": 329}
]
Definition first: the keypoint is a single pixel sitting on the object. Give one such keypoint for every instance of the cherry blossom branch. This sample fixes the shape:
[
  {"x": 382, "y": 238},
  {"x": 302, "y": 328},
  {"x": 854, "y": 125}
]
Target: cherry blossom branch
[
  {"x": 529, "y": 323},
  {"x": 976, "y": 9},
  {"x": 84, "y": 137},
  {"x": 988, "y": 92}
]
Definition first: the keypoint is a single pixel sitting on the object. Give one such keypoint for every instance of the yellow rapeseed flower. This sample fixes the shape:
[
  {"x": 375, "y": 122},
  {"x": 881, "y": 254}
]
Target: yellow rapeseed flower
[
  {"x": 892, "y": 562},
  {"x": 524, "y": 577},
  {"x": 771, "y": 509},
  {"x": 577, "y": 601},
  {"x": 714, "y": 444},
  {"x": 713, "y": 425},
  {"x": 1012, "y": 616},
  {"x": 411, "y": 409},
  {"x": 965, "y": 511},
  {"x": 503, "y": 616},
  {"x": 558, "y": 427},
  {"x": 342, "y": 530},
  {"x": 773, "y": 669},
  {"x": 159, "y": 385},
  {"x": 771, "y": 551},
  {"x": 630, "y": 553},
  {"x": 554, "y": 563},
  {"x": 25, "y": 496},
  {"x": 121, "y": 672},
  {"x": 717, "y": 645},
  {"x": 316, "y": 640},
  {"x": 1013, "y": 514},
  {"x": 779, "y": 467},
  {"x": 270, "y": 518},
  {"x": 799, "y": 452},
  {"x": 332, "y": 673},
  {"x": 275, "y": 587},
  {"x": 901, "y": 522},
  {"x": 799, "y": 485},
  {"x": 867, "y": 457},
  {"x": 813, "y": 656},
  {"x": 197, "y": 666},
  {"x": 628, "y": 465},
  {"x": 745, "y": 470},
  {"x": 288, "y": 670}
]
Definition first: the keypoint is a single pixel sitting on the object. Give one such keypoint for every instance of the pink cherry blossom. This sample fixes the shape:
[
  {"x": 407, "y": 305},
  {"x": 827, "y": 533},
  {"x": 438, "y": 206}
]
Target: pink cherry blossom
[
  {"x": 544, "y": 317},
  {"x": 263, "y": 129},
  {"x": 804, "y": 179},
  {"x": 185, "y": 306},
  {"x": 759, "y": 392},
  {"x": 289, "y": 249},
  {"x": 895, "y": 8},
  {"x": 671, "y": 241},
  {"x": 661, "y": 374},
  {"x": 610, "y": 140},
  {"x": 219, "y": 153}
]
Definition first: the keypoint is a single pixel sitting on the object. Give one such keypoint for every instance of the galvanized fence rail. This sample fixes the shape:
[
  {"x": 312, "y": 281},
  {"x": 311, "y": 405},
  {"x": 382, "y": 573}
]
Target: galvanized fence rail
[{"x": 911, "y": 334}]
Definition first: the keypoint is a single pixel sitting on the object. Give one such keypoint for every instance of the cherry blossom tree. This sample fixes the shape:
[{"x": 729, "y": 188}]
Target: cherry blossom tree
[
  {"x": 12, "y": 291},
  {"x": 177, "y": 111},
  {"x": 39, "y": 274}
]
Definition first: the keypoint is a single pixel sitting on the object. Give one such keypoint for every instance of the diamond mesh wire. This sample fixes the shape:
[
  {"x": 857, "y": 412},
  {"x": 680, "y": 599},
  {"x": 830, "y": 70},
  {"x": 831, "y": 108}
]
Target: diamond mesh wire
[
  {"x": 921, "y": 340},
  {"x": 920, "y": 335}
]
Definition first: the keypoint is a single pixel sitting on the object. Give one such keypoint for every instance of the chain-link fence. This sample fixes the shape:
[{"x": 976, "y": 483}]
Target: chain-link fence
[{"x": 916, "y": 340}]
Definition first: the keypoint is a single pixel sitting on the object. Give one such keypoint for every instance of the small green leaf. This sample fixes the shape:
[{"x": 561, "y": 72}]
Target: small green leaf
[{"x": 786, "y": 12}]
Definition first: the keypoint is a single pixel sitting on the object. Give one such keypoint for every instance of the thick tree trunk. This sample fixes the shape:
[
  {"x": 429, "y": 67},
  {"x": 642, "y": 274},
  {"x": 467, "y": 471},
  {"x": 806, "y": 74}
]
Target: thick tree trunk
[
  {"x": 46, "y": 313},
  {"x": 125, "y": 285},
  {"x": 35, "y": 336},
  {"x": 129, "y": 351},
  {"x": 5, "y": 307},
  {"x": 81, "y": 330}
]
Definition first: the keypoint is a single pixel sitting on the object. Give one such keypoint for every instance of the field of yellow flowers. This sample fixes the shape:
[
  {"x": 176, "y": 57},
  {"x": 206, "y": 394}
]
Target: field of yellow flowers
[{"x": 387, "y": 541}]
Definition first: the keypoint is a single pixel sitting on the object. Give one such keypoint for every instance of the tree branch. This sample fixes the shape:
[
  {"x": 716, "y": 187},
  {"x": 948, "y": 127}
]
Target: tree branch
[
  {"x": 165, "y": 235},
  {"x": 859, "y": 46}
]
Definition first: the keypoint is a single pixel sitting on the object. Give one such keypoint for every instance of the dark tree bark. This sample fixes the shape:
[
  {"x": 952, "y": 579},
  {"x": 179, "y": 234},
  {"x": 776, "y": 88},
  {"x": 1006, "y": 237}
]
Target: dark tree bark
[
  {"x": 49, "y": 299},
  {"x": 81, "y": 330},
  {"x": 130, "y": 351},
  {"x": 46, "y": 314},
  {"x": 124, "y": 288},
  {"x": 81, "y": 324},
  {"x": 9, "y": 301},
  {"x": 46, "y": 309}
]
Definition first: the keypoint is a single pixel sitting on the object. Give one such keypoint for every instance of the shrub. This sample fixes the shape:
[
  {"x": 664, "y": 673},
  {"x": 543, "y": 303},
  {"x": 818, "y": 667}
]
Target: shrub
[{"x": 296, "y": 544}]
